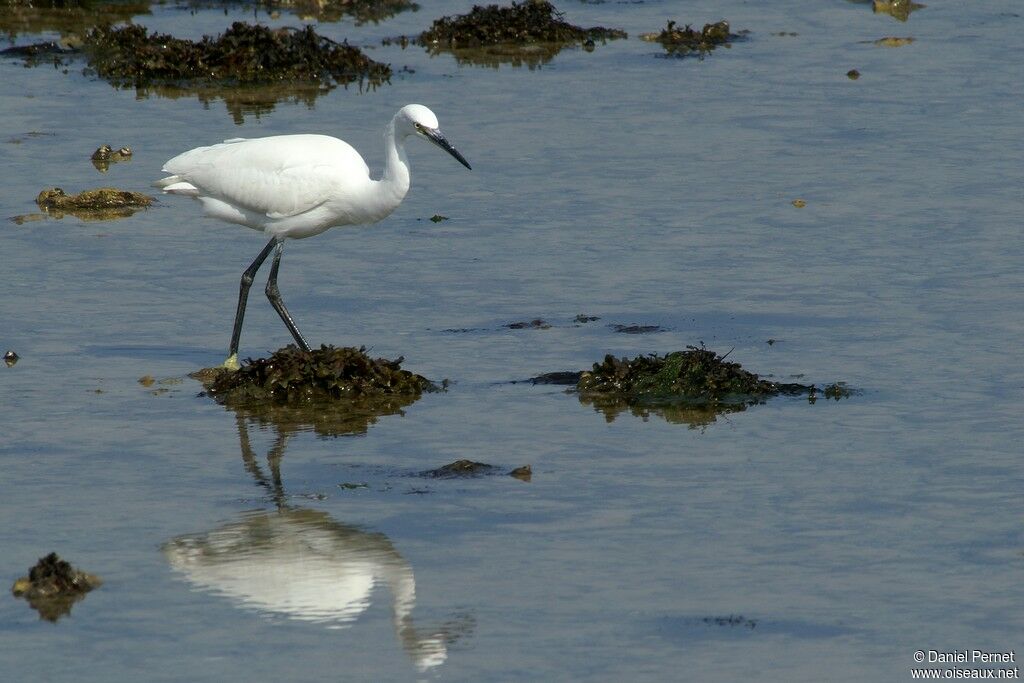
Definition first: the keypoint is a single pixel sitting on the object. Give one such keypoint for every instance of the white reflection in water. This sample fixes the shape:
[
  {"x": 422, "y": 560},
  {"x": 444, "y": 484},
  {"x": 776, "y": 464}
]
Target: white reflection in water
[{"x": 303, "y": 565}]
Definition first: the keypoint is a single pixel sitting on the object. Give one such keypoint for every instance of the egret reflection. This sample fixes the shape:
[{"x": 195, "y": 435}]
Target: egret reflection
[{"x": 305, "y": 566}]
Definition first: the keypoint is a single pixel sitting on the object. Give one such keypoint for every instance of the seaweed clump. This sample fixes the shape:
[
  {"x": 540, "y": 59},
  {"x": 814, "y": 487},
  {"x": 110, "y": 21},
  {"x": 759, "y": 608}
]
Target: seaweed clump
[
  {"x": 535, "y": 21},
  {"x": 469, "y": 468},
  {"x": 683, "y": 42},
  {"x": 245, "y": 53},
  {"x": 101, "y": 204},
  {"x": 53, "y": 586},
  {"x": 692, "y": 387},
  {"x": 697, "y": 374},
  {"x": 331, "y": 391},
  {"x": 329, "y": 373},
  {"x": 530, "y": 32}
]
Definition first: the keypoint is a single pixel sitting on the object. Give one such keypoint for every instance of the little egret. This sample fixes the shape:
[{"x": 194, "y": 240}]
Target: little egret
[{"x": 296, "y": 186}]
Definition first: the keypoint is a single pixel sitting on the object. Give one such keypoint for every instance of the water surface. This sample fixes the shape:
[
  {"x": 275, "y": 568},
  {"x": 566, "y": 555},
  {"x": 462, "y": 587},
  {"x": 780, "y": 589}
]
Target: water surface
[{"x": 616, "y": 184}]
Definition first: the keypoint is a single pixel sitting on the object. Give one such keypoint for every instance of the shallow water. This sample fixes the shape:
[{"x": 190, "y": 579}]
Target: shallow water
[{"x": 846, "y": 535}]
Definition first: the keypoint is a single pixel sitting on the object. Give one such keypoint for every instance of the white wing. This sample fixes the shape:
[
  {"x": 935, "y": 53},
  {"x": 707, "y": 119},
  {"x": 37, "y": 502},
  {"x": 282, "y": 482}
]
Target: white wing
[{"x": 280, "y": 176}]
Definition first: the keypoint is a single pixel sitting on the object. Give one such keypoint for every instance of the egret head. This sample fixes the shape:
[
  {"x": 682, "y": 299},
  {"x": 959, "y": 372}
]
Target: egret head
[{"x": 415, "y": 119}]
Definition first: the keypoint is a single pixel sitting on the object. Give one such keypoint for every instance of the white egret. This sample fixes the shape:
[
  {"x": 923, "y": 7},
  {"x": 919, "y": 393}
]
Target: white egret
[{"x": 296, "y": 186}]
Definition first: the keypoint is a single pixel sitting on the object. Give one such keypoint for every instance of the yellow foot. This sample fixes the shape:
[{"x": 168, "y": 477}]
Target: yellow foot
[{"x": 232, "y": 363}]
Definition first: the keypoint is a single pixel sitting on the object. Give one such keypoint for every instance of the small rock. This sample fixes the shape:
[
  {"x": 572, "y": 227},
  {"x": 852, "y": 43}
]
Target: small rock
[{"x": 524, "y": 473}]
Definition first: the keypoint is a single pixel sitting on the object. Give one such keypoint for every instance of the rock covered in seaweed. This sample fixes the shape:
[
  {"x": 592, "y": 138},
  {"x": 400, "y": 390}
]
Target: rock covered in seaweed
[
  {"x": 524, "y": 33},
  {"x": 697, "y": 375},
  {"x": 101, "y": 204},
  {"x": 331, "y": 391},
  {"x": 329, "y": 373},
  {"x": 532, "y": 21},
  {"x": 53, "y": 586},
  {"x": 245, "y": 53},
  {"x": 692, "y": 387}
]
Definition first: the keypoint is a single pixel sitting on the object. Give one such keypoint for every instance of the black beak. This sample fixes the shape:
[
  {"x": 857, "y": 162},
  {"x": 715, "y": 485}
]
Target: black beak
[{"x": 441, "y": 141}]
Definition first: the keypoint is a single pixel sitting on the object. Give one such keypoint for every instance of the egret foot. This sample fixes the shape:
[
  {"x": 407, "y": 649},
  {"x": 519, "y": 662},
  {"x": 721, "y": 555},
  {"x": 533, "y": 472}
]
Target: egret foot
[{"x": 232, "y": 363}]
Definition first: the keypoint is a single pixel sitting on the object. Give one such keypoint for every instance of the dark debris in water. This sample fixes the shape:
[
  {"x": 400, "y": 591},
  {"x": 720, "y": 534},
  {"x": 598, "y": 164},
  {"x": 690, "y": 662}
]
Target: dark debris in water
[
  {"x": 101, "y": 204},
  {"x": 686, "y": 41},
  {"x": 329, "y": 373},
  {"x": 733, "y": 620},
  {"x": 47, "y": 52},
  {"x": 535, "y": 324},
  {"x": 245, "y": 53},
  {"x": 470, "y": 468},
  {"x": 637, "y": 329},
  {"x": 560, "y": 378},
  {"x": 834, "y": 391},
  {"x": 53, "y": 586},
  {"x": 11, "y": 358}
]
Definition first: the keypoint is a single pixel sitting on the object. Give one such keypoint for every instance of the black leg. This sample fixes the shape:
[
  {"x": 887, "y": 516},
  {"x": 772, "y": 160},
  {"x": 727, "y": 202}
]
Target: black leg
[
  {"x": 243, "y": 295},
  {"x": 275, "y": 299}
]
